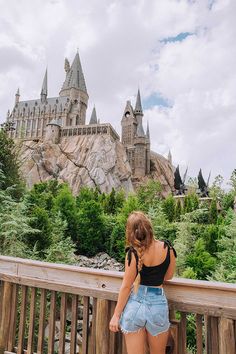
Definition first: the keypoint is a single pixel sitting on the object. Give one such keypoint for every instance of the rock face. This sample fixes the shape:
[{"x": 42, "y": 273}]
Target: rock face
[
  {"x": 88, "y": 160},
  {"x": 101, "y": 260},
  {"x": 95, "y": 160}
]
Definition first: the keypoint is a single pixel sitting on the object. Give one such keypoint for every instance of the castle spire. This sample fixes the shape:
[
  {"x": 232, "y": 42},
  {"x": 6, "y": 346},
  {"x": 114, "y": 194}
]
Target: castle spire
[
  {"x": 75, "y": 77},
  {"x": 147, "y": 131},
  {"x": 93, "y": 119},
  {"x": 44, "y": 91},
  {"x": 170, "y": 157},
  {"x": 17, "y": 95},
  {"x": 138, "y": 105}
]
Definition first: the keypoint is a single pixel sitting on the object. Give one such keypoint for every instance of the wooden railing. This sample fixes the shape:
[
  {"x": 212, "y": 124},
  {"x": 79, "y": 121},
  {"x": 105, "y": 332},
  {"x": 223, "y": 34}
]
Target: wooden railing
[{"x": 55, "y": 308}]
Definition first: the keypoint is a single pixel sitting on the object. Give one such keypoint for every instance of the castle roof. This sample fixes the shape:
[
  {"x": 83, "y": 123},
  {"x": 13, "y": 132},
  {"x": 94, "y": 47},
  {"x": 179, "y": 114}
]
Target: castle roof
[
  {"x": 54, "y": 122},
  {"x": 37, "y": 106},
  {"x": 138, "y": 105},
  {"x": 44, "y": 90},
  {"x": 93, "y": 119},
  {"x": 140, "y": 131},
  {"x": 75, "y": 76}
]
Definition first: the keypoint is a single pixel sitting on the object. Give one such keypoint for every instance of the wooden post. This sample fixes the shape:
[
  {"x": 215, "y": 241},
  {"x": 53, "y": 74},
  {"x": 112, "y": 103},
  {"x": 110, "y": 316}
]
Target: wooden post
[
  {"x": 212, "y": 335},
  {"x": 226, "y": 336},
  {"x": 102, "y": 327},
  {"x": 5, "y": 317}
]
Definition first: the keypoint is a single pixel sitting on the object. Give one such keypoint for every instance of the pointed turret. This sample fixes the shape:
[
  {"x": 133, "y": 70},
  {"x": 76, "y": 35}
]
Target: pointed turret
[
  {"x": 138, "y": 105},
  {"x": 170, "y": 157},
  {"x": 44, "y": 91},
  {"x": 93, "y": 119},
  {"x": 75, "y": 77},
  {"x": 140, "y": 131},
  {"x": 147, "y": 131},
  {"x": 17, "y": 99}
]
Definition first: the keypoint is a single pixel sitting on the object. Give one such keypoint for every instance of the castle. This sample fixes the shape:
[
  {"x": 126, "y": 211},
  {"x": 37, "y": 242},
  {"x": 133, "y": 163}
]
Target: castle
[{"x": 50, "y": 119}]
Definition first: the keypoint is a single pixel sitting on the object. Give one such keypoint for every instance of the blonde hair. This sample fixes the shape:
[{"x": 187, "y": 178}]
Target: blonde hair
[{"x": 139, "y": 234}]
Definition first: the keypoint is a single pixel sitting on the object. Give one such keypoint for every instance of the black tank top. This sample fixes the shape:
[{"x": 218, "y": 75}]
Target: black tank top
[{"x": 152, "y": 275}]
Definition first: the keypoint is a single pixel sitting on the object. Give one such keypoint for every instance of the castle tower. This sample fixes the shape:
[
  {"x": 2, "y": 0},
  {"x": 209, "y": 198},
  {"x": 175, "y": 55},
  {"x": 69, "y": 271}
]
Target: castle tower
[
  {"x": 44, "y": 91},
  {"x": 148, "y": 151},
  {"x": 74, "y": 87},
  {"x": 139, "y": 141},
  {"x": 53, "y": 131},
  {"x": 17, "y": 96},
  {"x": 136, "y": 142},
  {"x": 129, "y": 128},
  {"x": 93, "y": 119}
]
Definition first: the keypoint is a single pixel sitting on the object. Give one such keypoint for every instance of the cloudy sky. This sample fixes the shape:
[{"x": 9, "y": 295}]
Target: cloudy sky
[{"x": 180, "y": 53}]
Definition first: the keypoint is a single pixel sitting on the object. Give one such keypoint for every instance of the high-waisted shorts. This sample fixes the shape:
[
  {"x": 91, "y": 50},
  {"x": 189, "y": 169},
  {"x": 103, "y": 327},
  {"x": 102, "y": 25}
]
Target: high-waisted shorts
[{"x": 147, "y": 308}]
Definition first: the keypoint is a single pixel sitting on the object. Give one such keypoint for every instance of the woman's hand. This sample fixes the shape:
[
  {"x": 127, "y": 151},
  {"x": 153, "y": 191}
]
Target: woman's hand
[{"x": 114, "y": 323}]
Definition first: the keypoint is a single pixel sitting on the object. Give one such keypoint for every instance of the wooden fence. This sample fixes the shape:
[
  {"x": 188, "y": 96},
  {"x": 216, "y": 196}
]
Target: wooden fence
[{"x": 55, "y": 308}]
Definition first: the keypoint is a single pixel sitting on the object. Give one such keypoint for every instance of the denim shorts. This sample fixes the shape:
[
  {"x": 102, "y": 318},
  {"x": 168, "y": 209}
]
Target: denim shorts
[{"x": 147, "y": 308}]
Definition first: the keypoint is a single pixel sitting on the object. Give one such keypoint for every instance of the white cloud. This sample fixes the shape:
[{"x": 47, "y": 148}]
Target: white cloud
[{"x": 120, "y": 48}]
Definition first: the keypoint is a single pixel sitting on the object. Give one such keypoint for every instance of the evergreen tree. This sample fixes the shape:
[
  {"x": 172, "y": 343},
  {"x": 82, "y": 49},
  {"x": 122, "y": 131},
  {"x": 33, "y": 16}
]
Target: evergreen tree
[
  {"x": 61, "y": 249},
  {"x": 91, "y": 229},
  {"x": 226, "y": 265},
  {"x": 9, "y": 165},
  {"x": 213, "y": 213},
  {"x": 178, "y": 210},
  {"x": 169, "y": 206},
  {"x": 66, "y": 204}
]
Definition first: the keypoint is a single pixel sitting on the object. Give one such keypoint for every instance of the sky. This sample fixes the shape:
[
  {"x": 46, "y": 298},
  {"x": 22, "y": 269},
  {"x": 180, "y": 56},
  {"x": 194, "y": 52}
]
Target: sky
[{"x": 181, "y": 54}]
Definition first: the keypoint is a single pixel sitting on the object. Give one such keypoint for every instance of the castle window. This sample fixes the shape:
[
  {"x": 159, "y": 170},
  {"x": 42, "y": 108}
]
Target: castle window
[{"x": 77, "y": 120}]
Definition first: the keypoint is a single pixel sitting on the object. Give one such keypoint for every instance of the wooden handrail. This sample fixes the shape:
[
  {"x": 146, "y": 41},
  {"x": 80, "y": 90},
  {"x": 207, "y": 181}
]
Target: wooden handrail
[
  {"x": 199, "y": 296},
  {"x": 213, "y": 303}
]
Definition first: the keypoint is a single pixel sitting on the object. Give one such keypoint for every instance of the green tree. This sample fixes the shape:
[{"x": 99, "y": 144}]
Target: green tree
[
  {"x": 10, "y": 167},
  {"x": 61, "y": 249},
  {"x": 213, "y": 213},
  {"x": 169, "y": 206},
  {"x": 178, "y": 210},
  {"x": 226, "y": 264},
  {"x": 200, "y": 260},
  {"x": 148, "y": 194},
  {"x": 91, "y": 229},
  {"x": 66, "y": 204}
]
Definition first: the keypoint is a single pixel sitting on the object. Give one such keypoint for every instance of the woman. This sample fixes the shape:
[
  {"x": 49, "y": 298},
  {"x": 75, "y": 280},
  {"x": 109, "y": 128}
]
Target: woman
[{"x": 141, "y": 311}]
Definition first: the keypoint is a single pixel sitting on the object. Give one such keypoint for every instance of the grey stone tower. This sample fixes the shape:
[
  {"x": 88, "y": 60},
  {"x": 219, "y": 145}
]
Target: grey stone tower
[
  {"x": 136, "y": 142},
  {"x": 74, "y": 87}
]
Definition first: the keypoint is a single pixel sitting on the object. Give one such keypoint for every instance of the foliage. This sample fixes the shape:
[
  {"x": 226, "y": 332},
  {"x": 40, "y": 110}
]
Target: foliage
[
  {"x": 9, "y": 164},
  {"x": 213, "y": 213},
  {"x": 169, "y": 208},
  {"x": 226, "y": 265},
  {"x": 90, "y": 229},
  {"x": 61, "y": 249},
  {"x": 148, "y": 194},
  {"x": 200, "y": 260}
]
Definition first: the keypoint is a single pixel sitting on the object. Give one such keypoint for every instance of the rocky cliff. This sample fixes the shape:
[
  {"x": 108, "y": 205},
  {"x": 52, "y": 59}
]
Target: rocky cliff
[{"x": 92, "y": 160}]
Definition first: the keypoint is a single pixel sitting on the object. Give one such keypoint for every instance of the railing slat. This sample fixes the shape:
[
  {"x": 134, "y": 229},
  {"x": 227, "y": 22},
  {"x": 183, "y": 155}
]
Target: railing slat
[
  {"x": 113, "y": 335},
  {"x": 52, "y": 316},
  {"x": 41, "y": 321},
  {"x": 85, "y": 324},
  {"x": 102, "y": 329},
  {"x": 30, "y": 344},
  {"x": 94, "y": 321},
  {"x": 13, "y": 317},
  {"x": 5, "y": 308},
  {"x": 199, "y": 327},
  {"x": 62, "y": 323},
  {"x": 227, "y": 340},
  {"x": 23, "y": 308},
  {"x": 183, "y": 336},
  {"x": 74, "y": 319},
  {"x": 212, "y": 335}
]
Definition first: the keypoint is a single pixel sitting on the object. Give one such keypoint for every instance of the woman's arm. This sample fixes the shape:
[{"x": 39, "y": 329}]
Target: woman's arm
[
  {"x": 171, "y": 269},
  {"x": 127, "y": 282}
]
